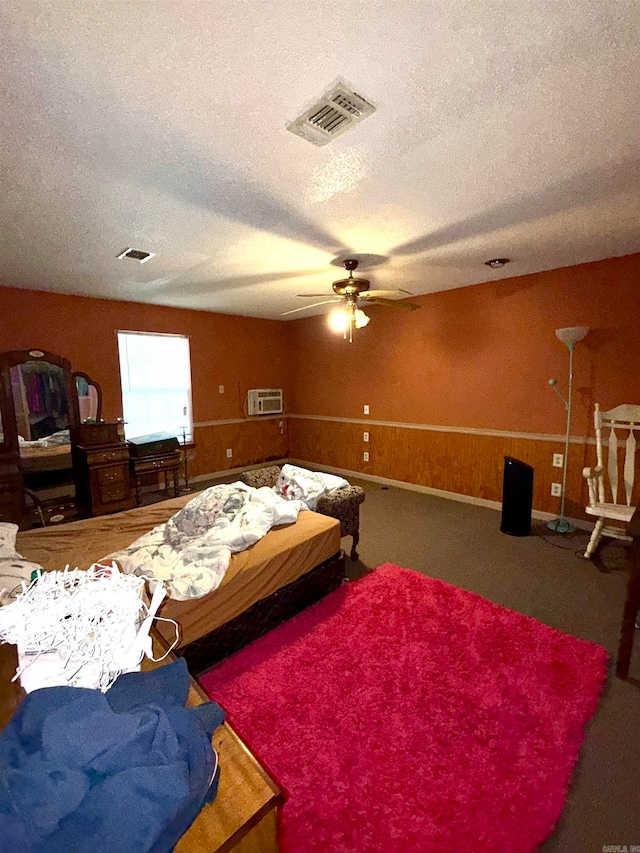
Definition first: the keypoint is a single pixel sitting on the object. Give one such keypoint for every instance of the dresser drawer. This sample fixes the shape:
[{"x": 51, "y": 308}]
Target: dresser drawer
[
  {"x": 103, "y": 457},
  {"x": 112, "y": 474},
  {"x": 112, "y": 492},
  {"x": 148, "y": 465}
]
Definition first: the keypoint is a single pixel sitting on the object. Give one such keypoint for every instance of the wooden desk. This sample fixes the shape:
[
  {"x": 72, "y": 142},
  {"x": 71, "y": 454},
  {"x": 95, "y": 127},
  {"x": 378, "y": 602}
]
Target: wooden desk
[
  {"x": 632, "y": 604},
  {"x": 241, "y": 819},
  {"x": 167, "y": 463}
]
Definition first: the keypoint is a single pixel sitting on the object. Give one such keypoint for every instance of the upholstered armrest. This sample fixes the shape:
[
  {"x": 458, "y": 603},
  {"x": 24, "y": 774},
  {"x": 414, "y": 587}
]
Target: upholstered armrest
[
  {"x": 261, "y": 477},
  {"x": 343, "y": 504}
]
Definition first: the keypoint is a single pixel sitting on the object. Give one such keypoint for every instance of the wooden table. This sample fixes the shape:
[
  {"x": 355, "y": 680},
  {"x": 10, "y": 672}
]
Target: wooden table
[
  {"x": 188, "y": 453},
  {"x": 167, "y": 463},
  {"x": 241, "y": 819},
  {"x": 632, "y": 604}
]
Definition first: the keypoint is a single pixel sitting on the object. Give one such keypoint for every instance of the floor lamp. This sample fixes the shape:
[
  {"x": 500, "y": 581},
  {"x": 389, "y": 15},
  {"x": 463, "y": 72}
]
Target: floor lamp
[{"x": 569, "y": 337}]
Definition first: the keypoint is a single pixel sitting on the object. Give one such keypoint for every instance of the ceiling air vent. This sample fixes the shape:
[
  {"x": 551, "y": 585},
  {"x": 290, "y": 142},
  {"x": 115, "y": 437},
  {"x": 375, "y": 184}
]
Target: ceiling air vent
[
  {"x": 136, "y": 255},
  {"x": 335, "y": 113}
]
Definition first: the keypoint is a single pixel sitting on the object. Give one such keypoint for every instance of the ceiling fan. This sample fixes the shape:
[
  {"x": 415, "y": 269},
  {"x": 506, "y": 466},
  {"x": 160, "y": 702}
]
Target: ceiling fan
[{"x": 352, "y": 293}]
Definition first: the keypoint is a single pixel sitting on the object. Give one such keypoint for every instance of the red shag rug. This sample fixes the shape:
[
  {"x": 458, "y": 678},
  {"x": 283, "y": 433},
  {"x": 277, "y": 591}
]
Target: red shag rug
[{"x": 403, "y": 715}]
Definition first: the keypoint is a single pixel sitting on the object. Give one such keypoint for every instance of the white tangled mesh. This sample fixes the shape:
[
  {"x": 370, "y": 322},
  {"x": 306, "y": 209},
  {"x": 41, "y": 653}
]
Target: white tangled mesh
[{"x": 91, "y": 619}]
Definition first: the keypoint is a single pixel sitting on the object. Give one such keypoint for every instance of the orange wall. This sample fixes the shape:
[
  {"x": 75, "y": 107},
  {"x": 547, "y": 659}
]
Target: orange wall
[
  {"x": 237, "y": 352},
  {"x": 481, "y": 356},
  {"x": 477, "y": 357}
]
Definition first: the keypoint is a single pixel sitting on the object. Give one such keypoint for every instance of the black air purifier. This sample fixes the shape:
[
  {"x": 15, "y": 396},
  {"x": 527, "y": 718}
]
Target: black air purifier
[{"x": 517, "y": 497}]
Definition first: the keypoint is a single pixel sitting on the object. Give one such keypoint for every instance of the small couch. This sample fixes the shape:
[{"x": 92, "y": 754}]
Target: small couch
[{"x": 343, "y": 504}]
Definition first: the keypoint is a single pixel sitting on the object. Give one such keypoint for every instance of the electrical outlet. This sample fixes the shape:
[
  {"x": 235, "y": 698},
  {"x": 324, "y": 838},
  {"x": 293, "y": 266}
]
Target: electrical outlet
[
  {"x": 365, "y": 456},
  {"x": 220, "y": 389},
  {"x": 556, "y": 490},
  {"x": 558, "y": 460},
  {"x": 365, "y": 436},
  {"x": 366, "y": 410},
  {"x": 229, "y": 453}
]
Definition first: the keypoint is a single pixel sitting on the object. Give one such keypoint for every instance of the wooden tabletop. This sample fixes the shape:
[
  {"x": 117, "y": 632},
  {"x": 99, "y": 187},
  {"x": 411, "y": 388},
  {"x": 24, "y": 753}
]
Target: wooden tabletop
[
  {"x": 245, "y": 793},
  {"x": 245, "y": 796}
]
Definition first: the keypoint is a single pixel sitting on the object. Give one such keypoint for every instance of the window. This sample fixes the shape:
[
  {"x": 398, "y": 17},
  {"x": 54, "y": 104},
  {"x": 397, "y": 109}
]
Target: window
[{"x": 155, "y": 373}]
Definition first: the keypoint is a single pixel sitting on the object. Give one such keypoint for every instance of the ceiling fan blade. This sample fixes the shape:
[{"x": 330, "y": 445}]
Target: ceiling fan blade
[
  {"x": 385, "y": 293},
  {"x": 397, "y": 303},
  {"x": 314, "y": 295},
  {"x": 307, "y": 307}
]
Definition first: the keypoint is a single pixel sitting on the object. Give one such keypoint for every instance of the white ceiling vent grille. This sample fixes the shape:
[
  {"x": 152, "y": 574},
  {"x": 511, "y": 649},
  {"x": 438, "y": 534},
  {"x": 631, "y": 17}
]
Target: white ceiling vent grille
[
  {"x": 136, "y": 255},
  {"x": 335, "y": 113}
]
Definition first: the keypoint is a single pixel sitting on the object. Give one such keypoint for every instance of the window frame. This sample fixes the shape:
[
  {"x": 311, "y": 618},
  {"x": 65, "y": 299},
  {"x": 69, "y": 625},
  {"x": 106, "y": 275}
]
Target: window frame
[{"x": 189, "y": 437}]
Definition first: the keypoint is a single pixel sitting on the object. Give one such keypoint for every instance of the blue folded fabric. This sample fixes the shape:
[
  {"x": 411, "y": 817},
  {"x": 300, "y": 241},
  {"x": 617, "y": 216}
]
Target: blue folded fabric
[{"x": 121, "y": 772}]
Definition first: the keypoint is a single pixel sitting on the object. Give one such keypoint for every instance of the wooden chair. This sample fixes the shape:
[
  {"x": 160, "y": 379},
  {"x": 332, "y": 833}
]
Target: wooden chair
[{"x": 626, "y": 420}]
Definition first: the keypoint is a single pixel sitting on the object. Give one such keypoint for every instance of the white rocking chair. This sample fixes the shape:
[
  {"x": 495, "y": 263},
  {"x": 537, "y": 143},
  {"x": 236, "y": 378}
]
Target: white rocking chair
[{"x": 625, "y": 418}]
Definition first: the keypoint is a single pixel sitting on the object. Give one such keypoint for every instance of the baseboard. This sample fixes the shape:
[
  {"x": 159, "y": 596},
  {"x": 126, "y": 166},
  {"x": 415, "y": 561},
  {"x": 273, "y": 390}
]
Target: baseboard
[
  {"x": 439, "y": 493},
  {"x": 230, "y": 472},
  {"x": 539, "y": 515}
]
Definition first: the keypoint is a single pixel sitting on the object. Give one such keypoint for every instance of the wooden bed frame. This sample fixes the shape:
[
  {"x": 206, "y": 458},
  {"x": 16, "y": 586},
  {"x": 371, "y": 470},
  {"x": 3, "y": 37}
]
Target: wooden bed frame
[{"x": 264, "y": 615}]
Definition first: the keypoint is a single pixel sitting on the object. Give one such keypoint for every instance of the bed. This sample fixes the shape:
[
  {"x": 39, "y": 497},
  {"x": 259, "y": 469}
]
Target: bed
[
  {"x": 288, "y": 569},
  {"x": 35, "y": 459}
]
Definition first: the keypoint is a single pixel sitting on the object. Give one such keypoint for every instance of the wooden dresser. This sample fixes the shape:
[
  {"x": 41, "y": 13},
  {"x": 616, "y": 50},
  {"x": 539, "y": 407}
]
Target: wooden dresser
[
  {"x": 241, "y": 819},
  {"x": 102, "y": 463},
  {"x": 12, "y": 500}
]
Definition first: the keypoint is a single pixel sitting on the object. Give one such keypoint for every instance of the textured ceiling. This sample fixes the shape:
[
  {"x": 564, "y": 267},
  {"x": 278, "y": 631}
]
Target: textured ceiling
[{"x": 503, "y": 128}]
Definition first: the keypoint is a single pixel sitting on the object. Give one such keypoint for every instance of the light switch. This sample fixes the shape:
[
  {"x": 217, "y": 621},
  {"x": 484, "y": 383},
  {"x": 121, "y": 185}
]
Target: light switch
[{"x": 366, "y": 410}]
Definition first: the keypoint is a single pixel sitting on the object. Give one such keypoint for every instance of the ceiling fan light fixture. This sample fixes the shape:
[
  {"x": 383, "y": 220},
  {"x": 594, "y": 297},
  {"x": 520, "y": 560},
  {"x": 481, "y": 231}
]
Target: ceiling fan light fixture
[
  {"x": 339, "y": 321},
  {"x": 360, "y": 318},
  {"x": 496, "y": 263}
]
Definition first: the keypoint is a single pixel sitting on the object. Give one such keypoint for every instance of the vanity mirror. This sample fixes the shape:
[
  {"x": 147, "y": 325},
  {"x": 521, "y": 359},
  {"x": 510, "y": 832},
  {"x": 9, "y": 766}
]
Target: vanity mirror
[
  {"x": 89, "y": 398},
  {"x": 54, "y": 446},
  {"x": 39, "y": 408}
]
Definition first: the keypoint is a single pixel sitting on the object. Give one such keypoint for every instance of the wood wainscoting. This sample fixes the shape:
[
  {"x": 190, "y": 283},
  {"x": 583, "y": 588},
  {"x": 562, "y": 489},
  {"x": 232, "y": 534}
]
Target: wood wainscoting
[
  {"x": 250, "y": 441},
  {"x": 465, "y": 462}
]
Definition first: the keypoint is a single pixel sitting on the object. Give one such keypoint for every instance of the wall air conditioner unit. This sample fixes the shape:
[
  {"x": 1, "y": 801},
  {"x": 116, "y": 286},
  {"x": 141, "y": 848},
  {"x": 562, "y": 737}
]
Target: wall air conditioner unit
[{"x": 264, "y": 401}]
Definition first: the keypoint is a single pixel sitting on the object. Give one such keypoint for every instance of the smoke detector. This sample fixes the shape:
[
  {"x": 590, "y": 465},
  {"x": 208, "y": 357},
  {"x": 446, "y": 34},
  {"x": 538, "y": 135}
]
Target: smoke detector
[
  {"x": 136, "y": 255},
  {"x": 336, "y": 112}
]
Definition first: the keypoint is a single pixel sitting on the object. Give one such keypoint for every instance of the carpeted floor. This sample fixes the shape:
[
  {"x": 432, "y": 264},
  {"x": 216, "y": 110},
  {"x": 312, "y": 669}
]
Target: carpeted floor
[
  {"x": 402, "y": 713},
  {"x": 540, "y": 576}
]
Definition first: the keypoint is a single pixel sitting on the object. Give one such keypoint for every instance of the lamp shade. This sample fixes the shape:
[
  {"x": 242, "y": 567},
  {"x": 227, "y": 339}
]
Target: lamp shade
[
  {"x": 360, "y": 318},
  {"x": 571, "y": 335}
]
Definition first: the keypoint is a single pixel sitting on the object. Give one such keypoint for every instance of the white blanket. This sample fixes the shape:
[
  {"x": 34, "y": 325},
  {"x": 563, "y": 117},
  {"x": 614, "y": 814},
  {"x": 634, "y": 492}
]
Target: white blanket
[
  {"x": 191, "y": 551},
  {"x": 307, "y": 486}
]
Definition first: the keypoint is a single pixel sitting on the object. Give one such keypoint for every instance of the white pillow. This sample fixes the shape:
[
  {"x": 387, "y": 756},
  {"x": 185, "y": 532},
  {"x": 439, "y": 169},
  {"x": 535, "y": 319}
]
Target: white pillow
[
  {"x": 332, "y": 482},
  {"x": 308, "y": 486}
]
